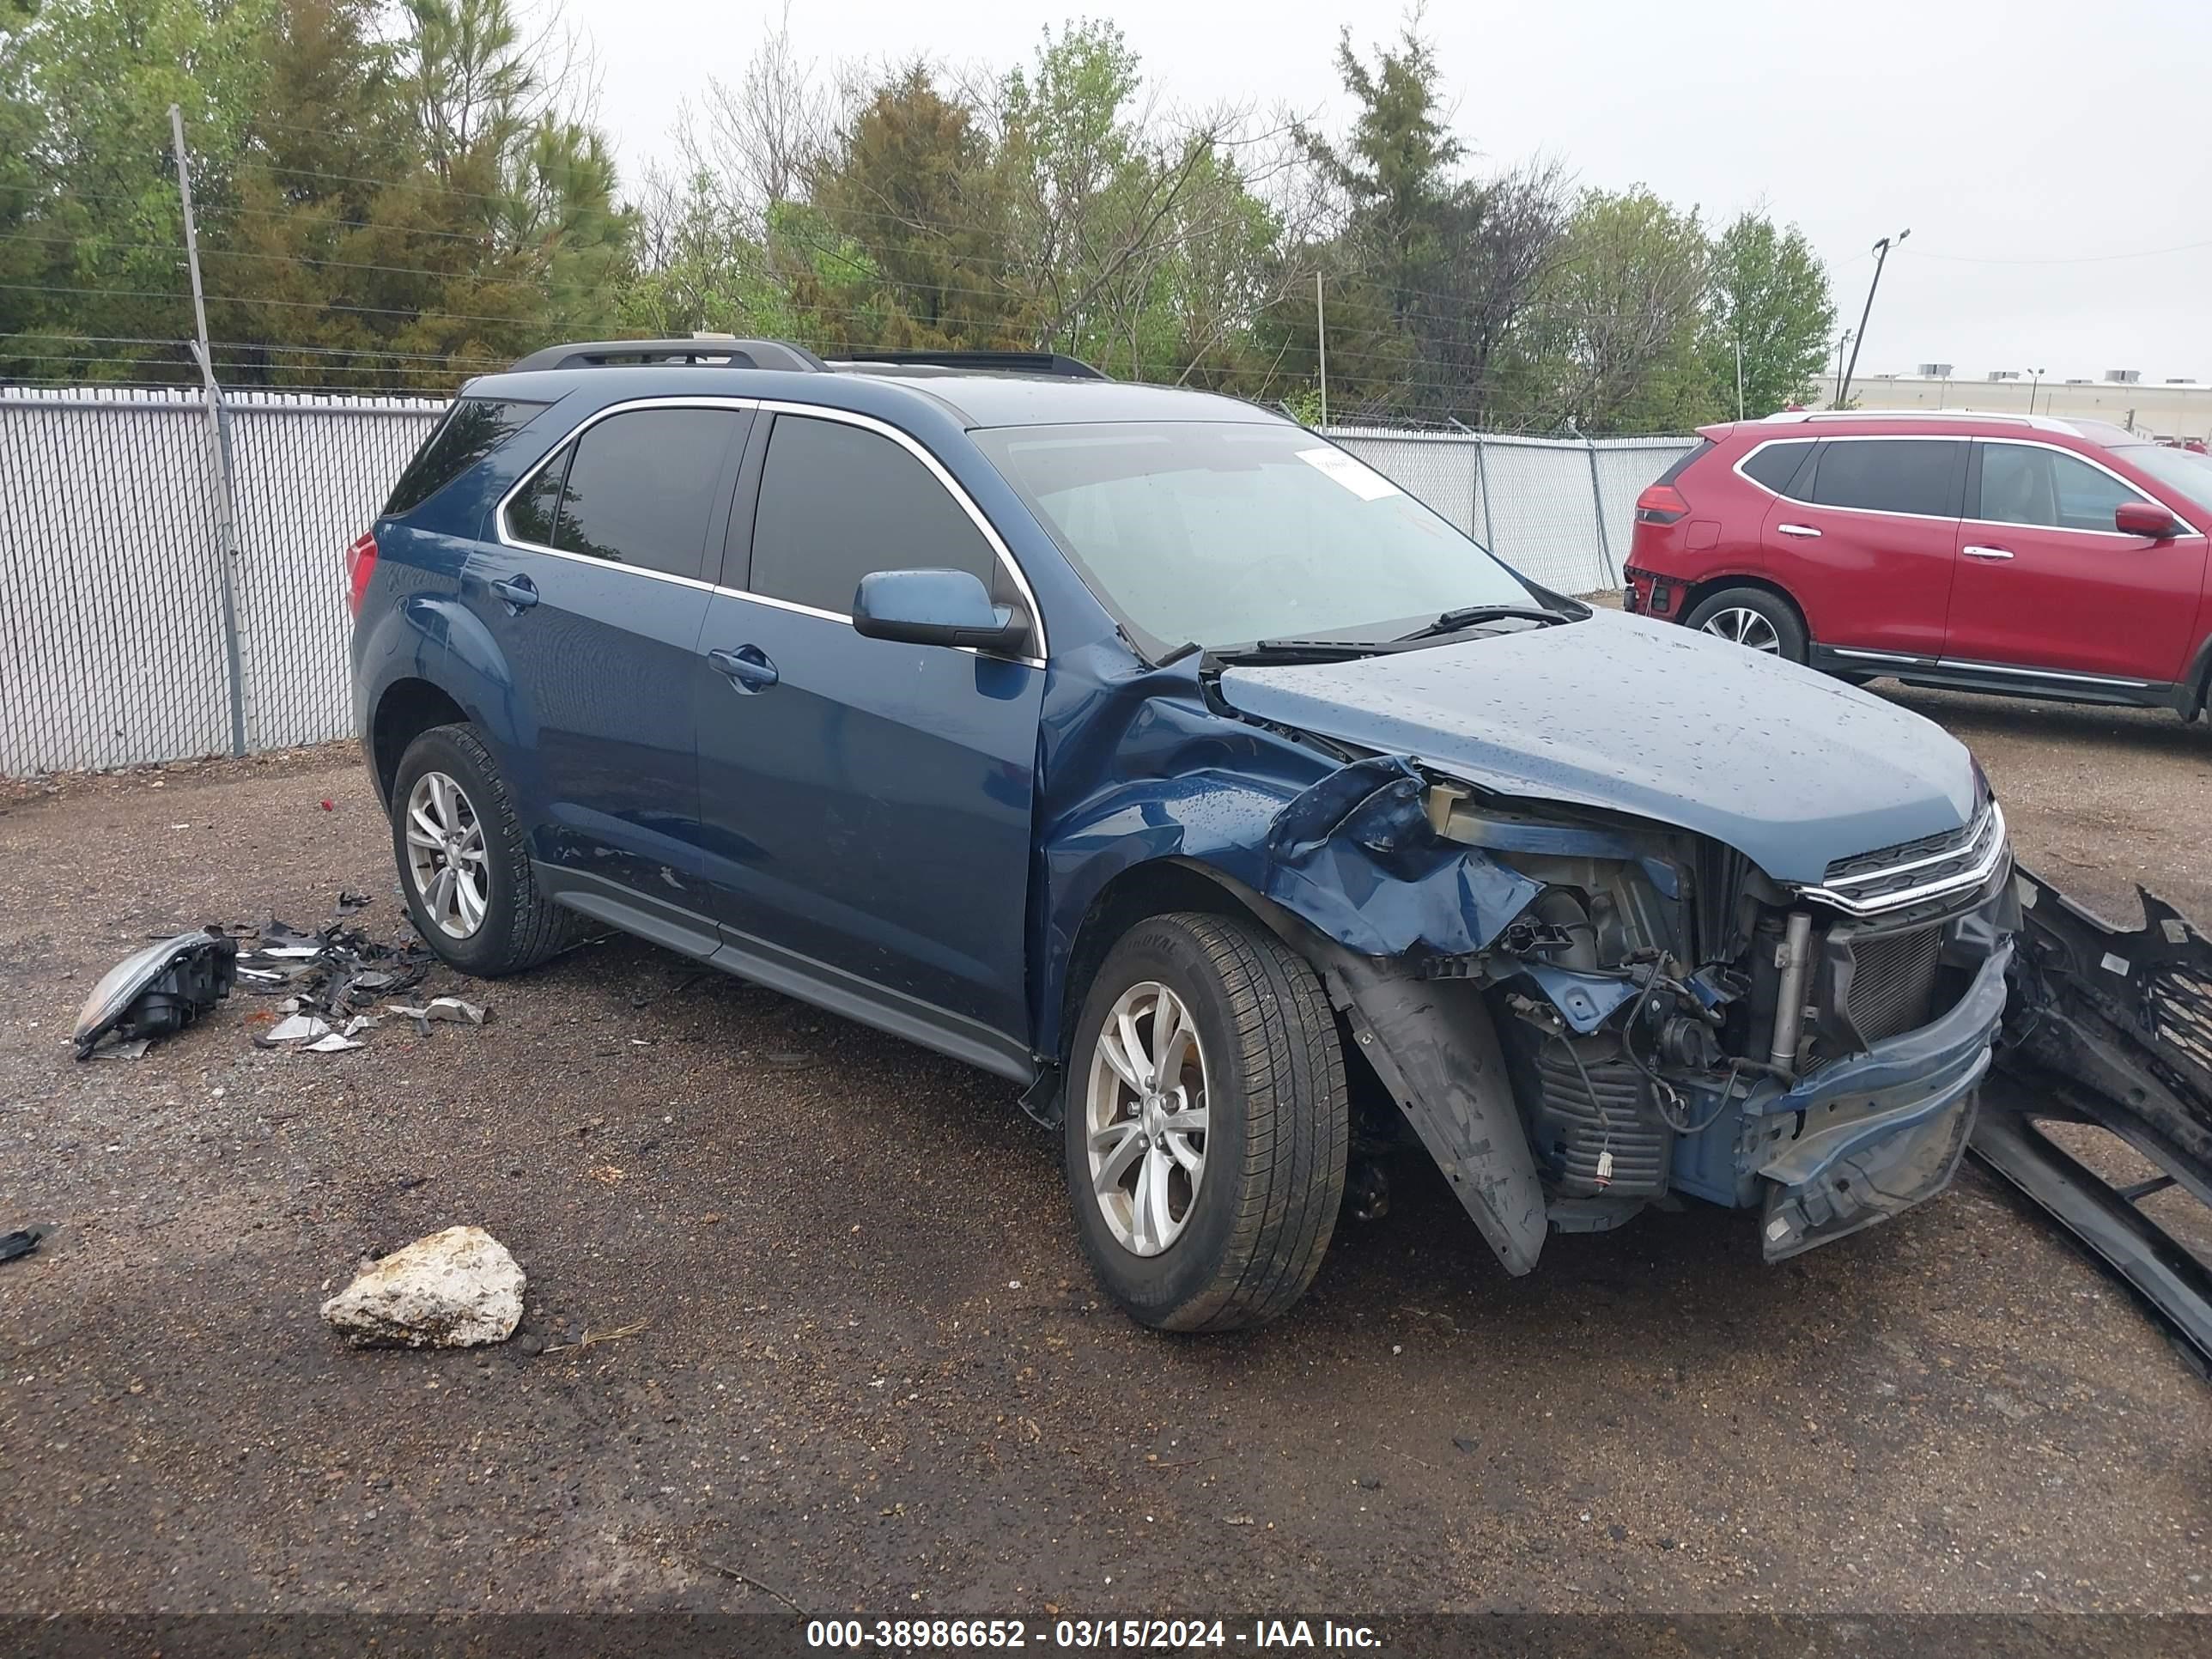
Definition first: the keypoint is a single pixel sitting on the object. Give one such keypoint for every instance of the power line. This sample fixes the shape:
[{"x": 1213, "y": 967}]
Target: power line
[{"x": 2076, "y": 259}]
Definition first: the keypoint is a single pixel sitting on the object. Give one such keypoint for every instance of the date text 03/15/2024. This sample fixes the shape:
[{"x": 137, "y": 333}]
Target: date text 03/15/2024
[{"x": 922, "y": 1635}]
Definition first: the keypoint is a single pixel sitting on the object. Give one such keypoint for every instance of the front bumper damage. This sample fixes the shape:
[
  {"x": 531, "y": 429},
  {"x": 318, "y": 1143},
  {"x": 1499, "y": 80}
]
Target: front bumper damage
[
  {"x": 1869, "y": 1136},
  {"x": 2112, "y": 1029}
]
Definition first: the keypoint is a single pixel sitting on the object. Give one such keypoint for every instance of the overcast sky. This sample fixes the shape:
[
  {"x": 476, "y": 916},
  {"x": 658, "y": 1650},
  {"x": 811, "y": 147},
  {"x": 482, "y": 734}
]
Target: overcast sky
[{"x": 2033, "y": 146}]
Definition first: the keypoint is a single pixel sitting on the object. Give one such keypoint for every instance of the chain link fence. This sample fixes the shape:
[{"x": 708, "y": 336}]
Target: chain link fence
[
  {"x": 118, "y": 636},
  {"x": 1558, "y": 510},
  {"x": 111, "y": 569}
]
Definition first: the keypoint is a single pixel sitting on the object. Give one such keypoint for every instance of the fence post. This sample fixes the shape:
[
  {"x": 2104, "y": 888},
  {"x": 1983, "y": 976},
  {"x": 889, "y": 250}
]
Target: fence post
[
  {"x": 1597, "y": 502},
  {"x": 225, "y": 507}
]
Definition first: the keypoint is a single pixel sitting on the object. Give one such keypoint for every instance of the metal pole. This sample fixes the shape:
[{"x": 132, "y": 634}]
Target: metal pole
[
  {"x": 1597, "y": 502},
  {"x": 1880, "y": 258},
  {"x": 1739, "y": 374},
  {"x": 1837, "y": 386},
  {"x": 226, "y": 513},
  {"x": 1320, "y": 336}
]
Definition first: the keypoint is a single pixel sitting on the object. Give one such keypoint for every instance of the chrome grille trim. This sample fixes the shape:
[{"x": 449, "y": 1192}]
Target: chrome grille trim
[{"x": 1962, "y": 867}]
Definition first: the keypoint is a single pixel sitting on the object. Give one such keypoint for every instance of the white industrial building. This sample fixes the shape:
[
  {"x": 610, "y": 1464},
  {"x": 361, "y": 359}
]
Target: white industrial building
[{"x": 2169, "y": 408}]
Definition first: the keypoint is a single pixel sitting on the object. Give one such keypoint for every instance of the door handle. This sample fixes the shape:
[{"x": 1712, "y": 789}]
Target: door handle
[
  {"x": 517, "y": 592},
  {"x": 748, "y": 667},
  {"x": 1797, "y": 530},
  {"x": 1987, "y": 552}
]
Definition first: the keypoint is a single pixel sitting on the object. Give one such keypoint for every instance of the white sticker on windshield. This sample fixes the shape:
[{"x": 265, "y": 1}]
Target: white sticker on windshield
[{"x": 1362, "y": 480}]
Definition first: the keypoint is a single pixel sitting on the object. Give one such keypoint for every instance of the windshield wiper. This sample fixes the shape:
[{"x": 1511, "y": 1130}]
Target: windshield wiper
[
  {"x": 1467, "y": 616},
  {"x": 1301, "y": 651}
]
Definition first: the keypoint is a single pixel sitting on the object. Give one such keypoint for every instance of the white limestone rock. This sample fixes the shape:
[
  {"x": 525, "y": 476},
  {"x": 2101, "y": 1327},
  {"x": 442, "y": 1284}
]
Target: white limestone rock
[{"x": 457, "y": 1289}]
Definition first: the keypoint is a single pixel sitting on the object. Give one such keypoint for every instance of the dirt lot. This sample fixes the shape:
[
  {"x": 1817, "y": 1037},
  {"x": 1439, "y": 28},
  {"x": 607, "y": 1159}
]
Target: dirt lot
[{"x": 872, "y": 1371}]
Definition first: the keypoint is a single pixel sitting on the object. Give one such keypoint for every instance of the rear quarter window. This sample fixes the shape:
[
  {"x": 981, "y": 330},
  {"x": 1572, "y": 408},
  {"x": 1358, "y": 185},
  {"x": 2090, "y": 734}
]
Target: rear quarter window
[
  {"x": 1775, "y": 464},
  {"x": 472, "y": 428}
]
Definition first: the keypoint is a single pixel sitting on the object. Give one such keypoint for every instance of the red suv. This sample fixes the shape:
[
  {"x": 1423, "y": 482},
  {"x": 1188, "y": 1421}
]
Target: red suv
[{"x": 2021, "y": 554}]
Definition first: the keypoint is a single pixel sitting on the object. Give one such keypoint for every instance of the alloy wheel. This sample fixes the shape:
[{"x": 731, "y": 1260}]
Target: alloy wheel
[
  {"x": 445, "y": 856},
  {"x": 1144, "y": 1118},
  {"x": 1744, "y": 627}
]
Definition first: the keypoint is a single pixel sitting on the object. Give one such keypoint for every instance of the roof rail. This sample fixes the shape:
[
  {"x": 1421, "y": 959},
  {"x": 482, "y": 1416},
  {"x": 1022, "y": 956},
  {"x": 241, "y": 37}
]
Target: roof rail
[
  {"x": 2040, "y": 422},
  {"x": 1000, "y": 362},
  {"x": 727, "y": 353}
]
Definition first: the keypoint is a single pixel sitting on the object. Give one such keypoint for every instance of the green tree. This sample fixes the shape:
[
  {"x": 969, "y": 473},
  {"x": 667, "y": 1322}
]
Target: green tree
[
  {"x": 1616, "y": 338},
  {"x": 913, "y": 184},
  {"x": 1769, "y": 295}
]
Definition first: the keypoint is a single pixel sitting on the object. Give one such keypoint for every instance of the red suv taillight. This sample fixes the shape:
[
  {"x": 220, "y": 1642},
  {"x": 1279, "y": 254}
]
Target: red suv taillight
[
  {"x": 1659, "y": 504},
  {"x": 359, "y": 565}
]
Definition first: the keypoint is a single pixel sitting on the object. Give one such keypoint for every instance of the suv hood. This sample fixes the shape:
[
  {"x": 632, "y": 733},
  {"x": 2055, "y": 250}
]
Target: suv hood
[{"x": 1790, "y": 767}]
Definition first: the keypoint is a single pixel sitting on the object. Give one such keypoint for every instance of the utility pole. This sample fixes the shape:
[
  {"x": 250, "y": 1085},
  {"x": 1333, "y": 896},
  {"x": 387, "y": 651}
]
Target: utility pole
[
  {"x": 226, "y": 513},
  {"x": 1321, "y": 335},
  {"x": 1880, "y": 258},
  {"x": 1842, "y": 340},
  {"x": 1739, "y": 372}
]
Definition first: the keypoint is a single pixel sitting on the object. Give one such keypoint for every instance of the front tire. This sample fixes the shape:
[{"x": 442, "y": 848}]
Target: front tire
[
  {"x": 1753, "y": 618},
  {"x": 465, "y": 860},
  {"x": 1207, "y": 1124}
]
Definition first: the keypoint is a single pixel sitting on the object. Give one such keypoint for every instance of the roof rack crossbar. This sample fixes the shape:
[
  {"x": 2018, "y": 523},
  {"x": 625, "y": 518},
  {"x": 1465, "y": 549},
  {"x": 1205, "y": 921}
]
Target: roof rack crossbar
[
  {"x": 1002, "y": 362},
  {"x": 719, "y": 353}
]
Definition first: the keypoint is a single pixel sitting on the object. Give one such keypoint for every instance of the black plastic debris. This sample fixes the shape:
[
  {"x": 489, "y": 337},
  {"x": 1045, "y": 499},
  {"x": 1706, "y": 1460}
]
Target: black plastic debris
[
  {"x": 20, "y": 1242},
  {"x": 351, "y": 901},
  {"x": 2112, "y": 1029},
  {"x": 331, "y": 973},
  {"x": 158, "y": 990}
]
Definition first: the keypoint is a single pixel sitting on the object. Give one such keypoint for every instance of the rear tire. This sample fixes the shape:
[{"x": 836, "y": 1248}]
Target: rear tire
[
  {"x": 1236, "y": 1242},
  {"x": 448, "y": 780},
  {"x": 1753, "y": 617}
]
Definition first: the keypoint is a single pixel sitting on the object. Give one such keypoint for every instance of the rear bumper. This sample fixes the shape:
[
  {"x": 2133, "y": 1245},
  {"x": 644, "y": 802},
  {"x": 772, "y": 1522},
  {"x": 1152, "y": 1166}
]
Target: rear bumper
[{"x": 1872, "y": 1135}]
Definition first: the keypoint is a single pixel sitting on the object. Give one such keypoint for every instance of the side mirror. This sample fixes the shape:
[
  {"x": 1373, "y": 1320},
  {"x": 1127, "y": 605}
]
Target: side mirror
[
  {"x": 2145, "y": 519},
  {"x": 935, "y": 607}
]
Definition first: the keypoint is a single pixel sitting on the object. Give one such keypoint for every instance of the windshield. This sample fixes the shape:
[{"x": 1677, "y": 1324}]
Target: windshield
[
  {"x": 2181, "y": 470},
  {"x": 1220, "y": 533}
]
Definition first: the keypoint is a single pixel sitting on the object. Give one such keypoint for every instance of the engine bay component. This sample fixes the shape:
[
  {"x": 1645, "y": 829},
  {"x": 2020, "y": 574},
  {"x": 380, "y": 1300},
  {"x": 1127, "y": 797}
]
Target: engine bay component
[{"x": 158, "y": 990}]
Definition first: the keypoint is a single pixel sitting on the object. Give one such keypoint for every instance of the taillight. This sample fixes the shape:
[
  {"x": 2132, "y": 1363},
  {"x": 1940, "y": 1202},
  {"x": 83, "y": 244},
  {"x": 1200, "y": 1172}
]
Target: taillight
[
  {"x": 1659, "y": 504},
  {"x": 360, "y": 566}
]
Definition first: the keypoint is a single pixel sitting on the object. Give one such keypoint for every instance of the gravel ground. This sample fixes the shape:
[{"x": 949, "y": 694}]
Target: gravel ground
[{"x": 865, "y": 1365}]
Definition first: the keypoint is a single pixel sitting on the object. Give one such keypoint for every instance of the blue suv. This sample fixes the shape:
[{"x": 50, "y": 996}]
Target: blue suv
[{"x": 1147, "y": 750}]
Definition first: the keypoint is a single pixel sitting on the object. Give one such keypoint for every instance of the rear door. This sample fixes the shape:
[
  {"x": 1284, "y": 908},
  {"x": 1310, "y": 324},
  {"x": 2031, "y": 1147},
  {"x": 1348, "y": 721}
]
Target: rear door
[
  {"x": 2047, "y": 583},
  {"x": 867, "y": 804},
  {"x": 1865, "y": 538},
  {"x": 591, "y": 585}
]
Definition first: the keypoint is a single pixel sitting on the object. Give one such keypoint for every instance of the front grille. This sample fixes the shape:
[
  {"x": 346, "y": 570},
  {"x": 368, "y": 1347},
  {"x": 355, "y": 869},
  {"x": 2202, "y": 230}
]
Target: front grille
[
  {"x": 1884, "y": 878},
  {"x": 1573, "y": 1129},
  {"x": 1892, "y": 986}
]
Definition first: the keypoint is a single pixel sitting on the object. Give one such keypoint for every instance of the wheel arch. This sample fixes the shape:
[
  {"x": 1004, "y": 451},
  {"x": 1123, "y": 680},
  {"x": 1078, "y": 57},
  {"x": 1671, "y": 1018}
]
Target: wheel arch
[
  {"x": 1700, "y": 592},
  {"x": 407, "y": 708},
  {"x": 1152, "y": 888}
]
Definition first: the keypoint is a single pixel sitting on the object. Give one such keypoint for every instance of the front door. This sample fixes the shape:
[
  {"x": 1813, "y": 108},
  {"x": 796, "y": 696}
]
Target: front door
[
  {"x": 866, "y": 805},
  {"x": 2047, "y": 583},
  {"x": 589, "y": 582},
  {"x": 1867, "y": 539}
]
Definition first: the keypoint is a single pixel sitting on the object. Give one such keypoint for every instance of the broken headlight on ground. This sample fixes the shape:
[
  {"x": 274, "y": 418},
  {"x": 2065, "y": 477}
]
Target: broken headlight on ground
[
  {"x": 158, "y": 990},
  {"x": 1672, "y": 1021}
]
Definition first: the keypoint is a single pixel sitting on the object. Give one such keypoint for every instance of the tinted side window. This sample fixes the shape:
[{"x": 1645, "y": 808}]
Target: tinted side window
[
  {"x": 837, "y": 502},
  {"x": 472, "y": 428},
  {"x": 2024, "y": 484},
  {"x": 641, "y": 489},
  {"x": 1776, "y": 463},
  {"x": 1891, "y": 474},
  {"x": 530, "y": 514}
]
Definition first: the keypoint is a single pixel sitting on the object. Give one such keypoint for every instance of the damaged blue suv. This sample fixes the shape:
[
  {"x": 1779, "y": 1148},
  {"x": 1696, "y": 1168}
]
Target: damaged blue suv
[{"x": 1152, "y": 753}]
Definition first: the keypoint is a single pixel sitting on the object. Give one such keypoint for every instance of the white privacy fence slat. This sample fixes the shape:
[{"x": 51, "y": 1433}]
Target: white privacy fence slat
[{"x": 112, "y": 645}]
